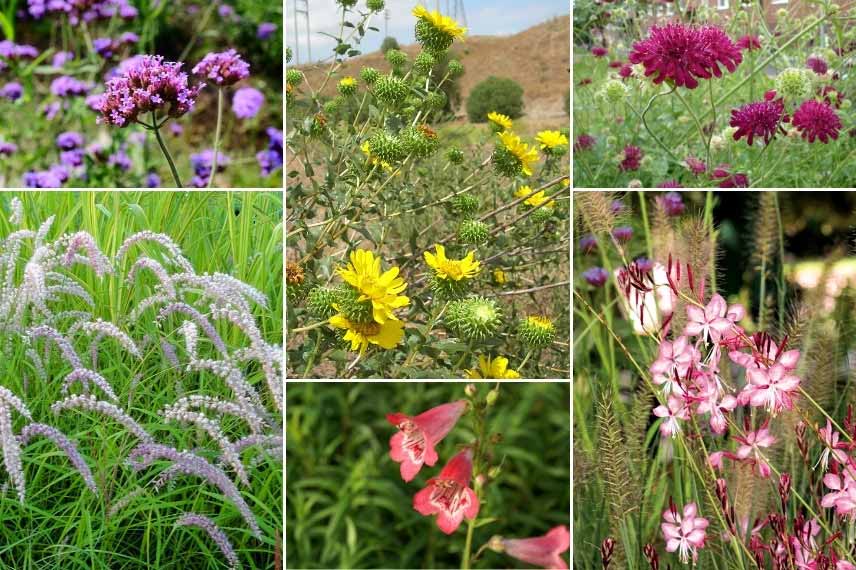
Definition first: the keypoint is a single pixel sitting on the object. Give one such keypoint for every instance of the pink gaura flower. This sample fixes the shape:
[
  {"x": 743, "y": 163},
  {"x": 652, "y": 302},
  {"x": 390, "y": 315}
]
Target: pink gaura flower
[
  {"x": 773, "y": 388},
  {"x": 713, "y": 321},
  {"x": 684, "y": 532},
  {"x": 710, "y": 400},
  {"x": 449, "y": 495},
  {"x": 843, "y": 495},
  {"x": 832, "y": 447},
  {"x": 674, "y": 358},
  {"x": 751, "y": 446},
  {"x": 765, "y": 353},
  {"x": 543, "y": 551},
  {"x": 671, "y": 413},
  {"x": 414, "y": 443}
]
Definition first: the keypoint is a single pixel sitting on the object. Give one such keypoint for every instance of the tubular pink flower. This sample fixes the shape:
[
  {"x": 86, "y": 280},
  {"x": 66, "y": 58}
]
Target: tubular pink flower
[
  {"x": 816, "y": 120},
  {"x": 414, "y": 443},
  {"x": 541, "y": 551},
  {"x": 449, "y": 495},
  {"x": 684, "y": 532},
  {"x": 681, "y": 53}
]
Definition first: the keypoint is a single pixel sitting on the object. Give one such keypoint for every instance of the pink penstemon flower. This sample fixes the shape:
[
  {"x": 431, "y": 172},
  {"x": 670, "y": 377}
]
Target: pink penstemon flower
[
  {"x": 544, "y": 551},
  {"x": 414, "y": 443},
  {"x": 676, "y": 409},
  {"x": 772, "y": 388},
  {"x": 750, "y": 449},
  {"x": 684, "y": 532},
  {"x": 449, "y": 495}
]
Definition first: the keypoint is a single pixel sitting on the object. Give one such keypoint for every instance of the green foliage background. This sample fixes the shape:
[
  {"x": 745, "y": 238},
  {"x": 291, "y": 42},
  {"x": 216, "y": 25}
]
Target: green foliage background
[
  {"x": 498, "y": 94},
  {"x": 347, "y": 506}
]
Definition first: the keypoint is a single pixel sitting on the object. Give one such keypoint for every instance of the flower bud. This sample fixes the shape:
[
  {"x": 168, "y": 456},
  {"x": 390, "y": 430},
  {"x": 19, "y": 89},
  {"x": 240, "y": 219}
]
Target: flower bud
[
  {"x": 474, "y": 318},
  {"x": 455, "y": 68},
  {"x": 293, "y": 77},
  {"x": 424, "y": 62},
  {"x": 613, "y": 91},
  {"x": 794, "y": 83},
  {"x": 356, "y": 311},
  {"x": 370, "y": 75},
  {"x": 391, "y": 91},
  {"x": 386, "y": 147},
  {"x": 473, "y": 232},
  {"x": 466, "y": 205},
  {"x": 320, "y": 302},
  {"x": 375, "y": 5},
  {"x": 396, "y": 57},
  {"x": 536, "y": 331},
  {"x": 470, "y": 390},
  {"x": 435, "y": 100},
  {"x": 491, "y": 397}
]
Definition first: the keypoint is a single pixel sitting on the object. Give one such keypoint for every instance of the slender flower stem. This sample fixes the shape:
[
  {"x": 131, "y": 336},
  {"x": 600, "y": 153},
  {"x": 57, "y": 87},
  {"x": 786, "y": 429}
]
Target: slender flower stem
[
  {"x": 465, "y": 563},
  {"x": 216, "y": 136},
  {"x": 156, "y": 129},
  {"x": 525, "y": 359}
]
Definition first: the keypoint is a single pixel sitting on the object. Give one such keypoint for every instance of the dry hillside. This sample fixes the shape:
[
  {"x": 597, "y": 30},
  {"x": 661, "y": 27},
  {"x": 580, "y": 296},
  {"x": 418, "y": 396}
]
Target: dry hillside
[{"x": 537, "y": 58}]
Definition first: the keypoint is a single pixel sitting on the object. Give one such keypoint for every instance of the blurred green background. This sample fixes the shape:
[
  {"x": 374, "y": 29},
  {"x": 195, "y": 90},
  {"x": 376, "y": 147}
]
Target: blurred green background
[{"x": 347, "y": 506}]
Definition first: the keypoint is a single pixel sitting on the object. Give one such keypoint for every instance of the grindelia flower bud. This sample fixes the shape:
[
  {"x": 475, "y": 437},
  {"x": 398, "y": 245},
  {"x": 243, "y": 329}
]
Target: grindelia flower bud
[
  {"x": 320, "y": 302},
  {"x": 455, "y": 68},
  {"x": 473, "y": 232},
  {"x": 475, "y": 318},
  {"x": 391, "y": 90},
  {"x": 396, "y": 57},
  {"x": 424, "y": 62},
  {"x": 536, "y": 331},
  {"x": 347, "y": 86},
  {"x": 293, "y": 77},
  {"x": 466, "y": 205},
  {"x": 370, "y": 75}
]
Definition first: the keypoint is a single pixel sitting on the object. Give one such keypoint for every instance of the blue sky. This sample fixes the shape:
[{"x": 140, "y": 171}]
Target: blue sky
[{"x": 484, "y": 17}]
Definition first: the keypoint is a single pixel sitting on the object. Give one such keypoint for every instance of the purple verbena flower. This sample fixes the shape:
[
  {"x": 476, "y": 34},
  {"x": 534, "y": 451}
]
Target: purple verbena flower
[
  {"x": 69, "y": 140},
  {"x": 7, "y": 148},
  {"x": 223, "y": 68},
  {"x": 12, "y": 51},
  {"x": 202, "y": 164},
  {"x": 596, "y": 276},
  {"x": 105, "y": 47},
  {"x": 121, "y": 160},
  {"x": 270, "y": 159},
  {"x": 153, "y": 180},
  {"x": 12, "y": 91},
  {"x": 176, "y": 129},
  {"x": 66, "y": 86},
  {"x": 266, "y": 30},
  {"x": 72, "y": 158},
  {"x": 54, "y": 177},
  {"x": 60, "y": 58},
  {"x": 247, "y": 102}
]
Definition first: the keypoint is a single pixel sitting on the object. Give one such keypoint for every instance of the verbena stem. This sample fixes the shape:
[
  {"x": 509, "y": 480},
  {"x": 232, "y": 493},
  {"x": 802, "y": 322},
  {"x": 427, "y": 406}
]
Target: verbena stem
[
  {"x": 216, "y": 136},
  {"x": 156, "y": 129}
]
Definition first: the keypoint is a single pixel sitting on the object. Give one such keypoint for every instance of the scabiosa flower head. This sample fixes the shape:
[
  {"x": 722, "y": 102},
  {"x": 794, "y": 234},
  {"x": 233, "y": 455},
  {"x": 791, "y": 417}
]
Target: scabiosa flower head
[
  {"x": 758, "y": 119},
  {"x": 793, "y": 83},
  {"x": 613, "y": 91},
  {"x": 66, "y": 86},
  {"x": 632, "y": 158},
  {"x": 202, "y": 164},
  {"x": 749, "y": 42},
  {"x": 816, "y": 64},
  {"x": 599, "y": 51},
  {"x": 414, "y": 443},
  {"x": 543, "y": 551},
  {"x": 684, "y": 532},
  {"x": 69, "y": 140},
  {"x": 12, "y": 91},
  {"x": 247, "y": 102},
  {"x": 266, "y": 30},
  {"x": 584, "y": 142},
  {"x": 148, "y": 85},
  {"x": 223, "y": 68},
  {"x": 729, "y": 180},
  {"x": 449, "y": 495},
  {"x": 596, "y": 276},
  {"x": 695, "y": 165},
  {"x": 670, "y": 184},
  {"x": 683, "y": 53},
  {"x": 816, "y": 120}
]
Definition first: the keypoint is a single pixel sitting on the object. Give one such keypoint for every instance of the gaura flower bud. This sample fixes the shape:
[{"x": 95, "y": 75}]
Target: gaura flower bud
[
  {"x": 391, "y": 91},
  {"x": 474, "y": 318},
  {"x": 536, "y": 331},
  {"x": 473, "y": 232},
  {"x": 320, "y": 302},
  {"x": 370, "y": 75}
]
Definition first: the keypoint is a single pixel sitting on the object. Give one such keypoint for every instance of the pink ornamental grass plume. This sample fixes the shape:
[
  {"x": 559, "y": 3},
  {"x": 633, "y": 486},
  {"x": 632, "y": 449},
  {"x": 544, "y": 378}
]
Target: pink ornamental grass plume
[
  {"x": 449, "y": 495},
  {"x": 544, "y": 551},
  {"x": 414, "y": 443},
  {"x": 684, "y": 532},
  {"x": 682, "y": 54}
]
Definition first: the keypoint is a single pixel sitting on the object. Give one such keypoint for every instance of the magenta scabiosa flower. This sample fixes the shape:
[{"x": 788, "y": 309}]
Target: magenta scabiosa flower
[
  {"x": 149, "y": 85},
  {"x": 625, "y": 71},
  {"x": 695, "y": 165},
  {"x": 584, "y": 142},
  {"x": 816, "y": 64},
  {"x": 816, "y": 120},
  {"x": 632, "y": 158},
  {"x": 223, "y": 68},
  {"x": 758, "y": 119},
  {"x": 683, "y": 54},
  {"x": 599, "y": 51},
  {"x": 749, "y": 42},
  {"x": 729, "y": 180},
  {"x": 247, "y": 102}
]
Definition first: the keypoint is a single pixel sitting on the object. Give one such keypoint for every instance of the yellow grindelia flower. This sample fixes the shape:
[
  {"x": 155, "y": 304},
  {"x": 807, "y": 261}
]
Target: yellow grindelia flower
[
  {"x": 363, "y": 273},
  {"x": 456, "y": 269},
  {"x": 527, "y": 156},
  {"x": 361, "y": 335},
  {"x": 443, "y": 23},
  {"x": 499, "y": 276},
  {"x": 496, "y": 368},
  {"x": 348, "y": 81},
  {"x": 535, "y": 199},
  {"x": 551, "y": 139},
  {"x": 499, "y": 119},
  {"x": 373, "y": 159},
  {"x": 540, "y": 322}
]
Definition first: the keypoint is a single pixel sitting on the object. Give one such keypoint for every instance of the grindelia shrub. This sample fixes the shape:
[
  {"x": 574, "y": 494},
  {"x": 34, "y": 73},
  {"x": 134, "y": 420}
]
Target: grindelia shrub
[{"x": 498, "y": 94}]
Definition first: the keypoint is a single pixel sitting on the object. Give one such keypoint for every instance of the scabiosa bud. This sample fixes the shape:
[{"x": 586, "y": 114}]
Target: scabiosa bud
[
  {"x": 386, "y": 147},
  {"x": 758, "y": 119},
  {"x": 596, "y": 276},
  {"x": 370, "y": 75},
  {"x": 223, "y": 68},
  {"x": 435, "y": 31},
  {"x": 293, "y": 77},
  {"x": 473, "y": 232},
  {"x": 247, "y": 102},
  {"x": 632, "y": 158},
  {"x": 816, "y": 120},
  {"x": 474, "y": 318},
  {"x": 455, "y": 155},
  {"x": 816, "y": 64},
  {"x": 390, "y": 90},
  {"x": 465, "y": 205},
  {"x": 695, "y": 165},
  {"x": 147, "y": 85},
  {"x": 793, "y": 83},
  {"x": 536, "y": 331},
  {"x": 613, "y": 91},
  {"x": 396, "y": 58},
  {"x": 320, "y": 302},
  {"x": 682, "y": 53},
  {"x": 455, "y": 68}
]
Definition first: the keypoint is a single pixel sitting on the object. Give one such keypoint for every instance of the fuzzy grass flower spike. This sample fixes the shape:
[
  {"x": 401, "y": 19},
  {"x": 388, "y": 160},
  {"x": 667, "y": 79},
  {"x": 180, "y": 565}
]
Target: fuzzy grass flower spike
[
  {"x": 492, "y": 368},
  {"x": 382, "y": 289},
  {"x": 514, "y": 156},
  {"x": 435, "y": 31},
  {"x": 500, "y": 121},
  {"x": 413, "y": 445}
]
